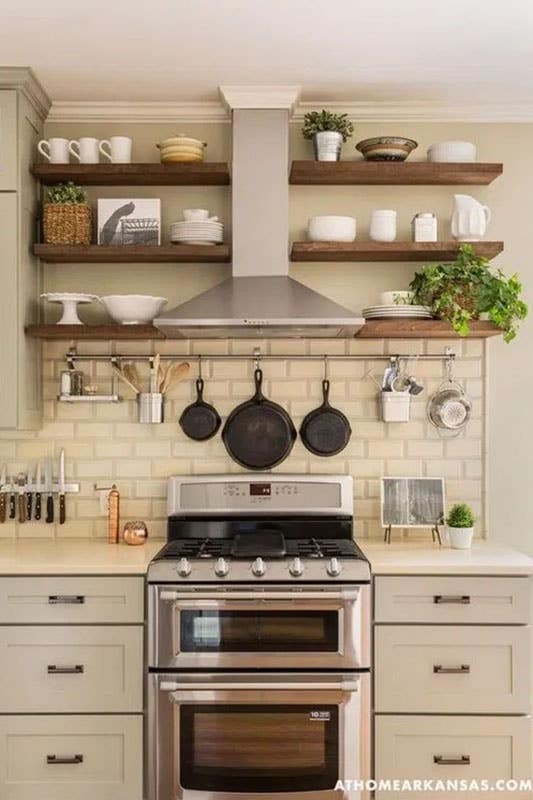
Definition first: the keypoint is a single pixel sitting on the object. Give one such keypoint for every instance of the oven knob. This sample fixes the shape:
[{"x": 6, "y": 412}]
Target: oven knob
[
  {"x": 184, "y": 568},
  {"x": 259, "y": 567},
  {"x": 334, "y": 568},
  {"x": 221, "y": 568},
  {"x": 296, "y": 567}
]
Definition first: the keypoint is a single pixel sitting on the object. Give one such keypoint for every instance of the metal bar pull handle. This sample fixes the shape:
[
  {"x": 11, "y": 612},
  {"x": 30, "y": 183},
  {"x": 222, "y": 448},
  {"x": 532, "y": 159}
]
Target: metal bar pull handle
[
  {"x": 460, "y": 599},
  {"x": 453, "y": 761},
  {"x": 66, "y": 599},
  {"x": 75, "y": 669},
  {"x": 464, "y": 669},
  {"x": 174, "y": 686},
  {"x": 258, "y": 597},
  {"x": 53, "y": 759}
]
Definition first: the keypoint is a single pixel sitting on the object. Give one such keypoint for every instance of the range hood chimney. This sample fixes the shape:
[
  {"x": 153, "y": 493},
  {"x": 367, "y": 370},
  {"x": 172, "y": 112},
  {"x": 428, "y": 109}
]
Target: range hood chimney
[{"x": 260, "y": 299}]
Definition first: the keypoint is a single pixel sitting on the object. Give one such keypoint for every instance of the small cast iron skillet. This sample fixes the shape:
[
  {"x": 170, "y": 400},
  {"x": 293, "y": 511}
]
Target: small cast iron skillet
[
  {"x": 325, "y": 431},
  {"x": 200, "y": 421}
]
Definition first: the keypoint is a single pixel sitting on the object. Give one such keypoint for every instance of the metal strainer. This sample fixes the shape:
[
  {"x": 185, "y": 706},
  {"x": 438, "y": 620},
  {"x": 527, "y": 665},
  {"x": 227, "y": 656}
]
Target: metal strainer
[{"x": 449, "y": 408}]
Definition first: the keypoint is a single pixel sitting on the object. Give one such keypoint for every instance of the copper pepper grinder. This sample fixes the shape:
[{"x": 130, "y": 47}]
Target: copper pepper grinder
[{"x": 113, "y": 515}]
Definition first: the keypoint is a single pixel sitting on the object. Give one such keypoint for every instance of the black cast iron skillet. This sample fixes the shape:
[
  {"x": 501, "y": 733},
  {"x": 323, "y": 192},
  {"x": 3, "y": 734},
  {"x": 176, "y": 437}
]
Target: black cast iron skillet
[
  {"x": 200, "y": 421},
  {"x": 325, "y": 431},
  {"x": 259, "y": 434}
]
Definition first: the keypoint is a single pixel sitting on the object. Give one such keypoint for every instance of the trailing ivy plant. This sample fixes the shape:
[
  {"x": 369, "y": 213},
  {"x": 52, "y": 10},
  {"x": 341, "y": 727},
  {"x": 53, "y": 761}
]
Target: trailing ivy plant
[
  {"x": 319, "y": 121},
  {"x": 461, "y": 516},
  {"x": 66, "y": 194},
  {"x": 463, "y": 289}
]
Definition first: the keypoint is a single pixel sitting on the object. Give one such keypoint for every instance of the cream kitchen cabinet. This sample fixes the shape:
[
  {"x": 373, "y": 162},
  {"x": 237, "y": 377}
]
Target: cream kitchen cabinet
[
  {"x": 23, "y": 106},
  {"x": 452, "y": 680}
]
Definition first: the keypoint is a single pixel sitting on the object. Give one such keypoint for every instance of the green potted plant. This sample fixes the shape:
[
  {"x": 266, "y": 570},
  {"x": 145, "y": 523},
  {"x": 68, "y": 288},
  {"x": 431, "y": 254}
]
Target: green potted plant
[
  {"x": 460, "y": 523},
  {"x": 328, "y": 131},
  {"x": 66, "y": 215},
  {"x": 465, "y": 289}
]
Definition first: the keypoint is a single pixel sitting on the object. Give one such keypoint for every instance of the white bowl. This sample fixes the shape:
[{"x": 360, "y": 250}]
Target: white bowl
[
  {"x": 195, "y": 213},
  {"x": 458, "y": 152},
  {"x": 332, "y": 229},
  {"x": 133, "y": 309},
  {"x": 397, "y": 298}
]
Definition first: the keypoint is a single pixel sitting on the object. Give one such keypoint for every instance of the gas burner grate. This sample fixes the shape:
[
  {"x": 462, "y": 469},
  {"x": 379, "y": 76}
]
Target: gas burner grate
[
  {"x": 324, "y": 548},
  {"x": 197, "y": 548}
]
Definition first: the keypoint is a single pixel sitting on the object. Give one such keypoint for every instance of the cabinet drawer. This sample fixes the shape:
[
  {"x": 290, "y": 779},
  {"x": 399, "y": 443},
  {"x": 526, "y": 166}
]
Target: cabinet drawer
[
  {"x": 102, "y": 755},
  {"x": 71, "y": 669},
  {"x": 57, "y": 599},
  {"x": 452, "y": 669},
  {"x": 421, "y": 748},
  {"x": 435, "y": 599}
]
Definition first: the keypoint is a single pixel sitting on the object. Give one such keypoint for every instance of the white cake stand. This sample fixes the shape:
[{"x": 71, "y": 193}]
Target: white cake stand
[{"x": 70, "y": 302}]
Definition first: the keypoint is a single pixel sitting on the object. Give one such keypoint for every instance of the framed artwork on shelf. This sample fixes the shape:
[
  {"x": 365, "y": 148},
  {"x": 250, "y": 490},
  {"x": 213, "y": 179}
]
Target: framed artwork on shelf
[
  {"x": 412, "y": 503},
  {"x": 129, "y": 222}
]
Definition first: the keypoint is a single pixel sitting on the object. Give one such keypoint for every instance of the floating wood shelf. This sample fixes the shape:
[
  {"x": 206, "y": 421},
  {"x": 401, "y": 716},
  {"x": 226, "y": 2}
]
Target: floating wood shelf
[
  {"x": 130, "y": 254},
  {"x": 203, "y": 173},
  {"x": 390, "y": 173},
  {"x": 387, "y": 251},
  {"x": 374, "y": 329}
]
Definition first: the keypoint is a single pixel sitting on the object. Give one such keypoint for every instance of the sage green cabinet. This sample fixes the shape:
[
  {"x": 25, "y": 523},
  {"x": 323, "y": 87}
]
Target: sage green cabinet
[{"x": 8, "y": 140}]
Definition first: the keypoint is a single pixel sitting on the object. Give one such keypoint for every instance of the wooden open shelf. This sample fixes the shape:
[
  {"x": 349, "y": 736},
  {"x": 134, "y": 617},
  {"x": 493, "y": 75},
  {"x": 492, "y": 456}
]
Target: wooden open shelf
[
  {"x": 390, "y": 173},
  {"x": 132, "y": 254},
  {"x": 203, "y": 173},
  {"x": 374, "y": 329},
  {"x": 387, "y": 251}
]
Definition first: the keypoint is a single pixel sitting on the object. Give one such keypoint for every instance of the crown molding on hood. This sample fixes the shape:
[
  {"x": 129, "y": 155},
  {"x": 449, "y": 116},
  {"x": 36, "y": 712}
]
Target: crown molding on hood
[{"x": 359, "y": 111}]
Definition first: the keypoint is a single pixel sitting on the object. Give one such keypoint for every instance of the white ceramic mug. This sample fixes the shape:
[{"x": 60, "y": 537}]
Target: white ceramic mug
[
  {"x": 383, "y": 225},
  {"x": 85, "y": 149},
  {"x": 119, "y": 149},
  {"x": 195, "y": 214},
  {"x": 54, "y": 150}
]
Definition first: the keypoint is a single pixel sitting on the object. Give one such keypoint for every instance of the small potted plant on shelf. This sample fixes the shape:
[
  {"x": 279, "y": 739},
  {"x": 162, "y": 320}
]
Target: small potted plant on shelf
[
  {"x": 66, "y": 215},
  {"x": 328, "y": 131},
  {"x": 467, "y": 289},
  {"x": 460, "y": 526}
]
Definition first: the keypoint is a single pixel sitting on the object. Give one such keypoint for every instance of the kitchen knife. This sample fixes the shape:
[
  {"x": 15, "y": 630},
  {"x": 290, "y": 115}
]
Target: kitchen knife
[
  {"x": 38, "y": 490},
  {"x": 3, "y": 487},
  {"x": 48, "y": 490},
  {"x": 62, "y": 510},
  {"x": 29, "y": 493},
  {"x": 21, "y": 483},
  {"x": 12, "y": 499}
]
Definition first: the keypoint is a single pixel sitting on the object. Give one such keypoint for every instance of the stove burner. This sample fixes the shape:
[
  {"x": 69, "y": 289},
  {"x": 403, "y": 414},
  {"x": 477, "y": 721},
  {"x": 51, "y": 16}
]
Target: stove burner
[{"x": 216, "y": 548}]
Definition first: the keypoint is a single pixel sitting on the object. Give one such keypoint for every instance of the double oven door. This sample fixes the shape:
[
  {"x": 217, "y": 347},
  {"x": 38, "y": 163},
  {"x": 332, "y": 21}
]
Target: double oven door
[
  {"x": 304, "y": 627},
  {"x": 270, "y": 736}
]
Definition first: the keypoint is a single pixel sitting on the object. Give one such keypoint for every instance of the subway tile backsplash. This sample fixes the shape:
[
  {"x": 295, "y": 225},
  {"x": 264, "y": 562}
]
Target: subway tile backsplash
[{"x": 105, "y": 444}]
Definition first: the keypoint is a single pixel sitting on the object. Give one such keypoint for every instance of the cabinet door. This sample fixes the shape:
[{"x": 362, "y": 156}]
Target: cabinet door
[
  {"x": 69, "y": 757},
  {"x": 8, "y": 140},
  {"x": 8, "y": 309}
]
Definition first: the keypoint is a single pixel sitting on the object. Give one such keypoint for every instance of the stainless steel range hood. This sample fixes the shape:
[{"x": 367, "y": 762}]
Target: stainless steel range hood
[{"x": 260, "y": 299}]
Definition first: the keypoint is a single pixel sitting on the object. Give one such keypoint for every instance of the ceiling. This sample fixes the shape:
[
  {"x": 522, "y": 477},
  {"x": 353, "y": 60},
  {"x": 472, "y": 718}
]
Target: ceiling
[{"x": 457, "y": 51}]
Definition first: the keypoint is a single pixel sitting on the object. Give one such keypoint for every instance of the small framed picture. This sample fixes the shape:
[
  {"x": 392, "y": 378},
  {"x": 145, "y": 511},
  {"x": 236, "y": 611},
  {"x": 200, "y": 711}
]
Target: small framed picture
[
  {"x": 128, "y": 222},
  {"x": 412, "y": 502}
]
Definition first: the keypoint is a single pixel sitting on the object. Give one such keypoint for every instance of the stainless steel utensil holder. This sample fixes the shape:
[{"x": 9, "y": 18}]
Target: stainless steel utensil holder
[{"x": 151, "y": 407}]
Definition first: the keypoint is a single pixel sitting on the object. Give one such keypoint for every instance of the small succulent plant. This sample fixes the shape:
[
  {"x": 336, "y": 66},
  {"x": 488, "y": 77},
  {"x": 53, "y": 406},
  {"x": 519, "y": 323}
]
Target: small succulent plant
[
  {"x": 66, "y": 194},
  {"x": 461, "y": 516},
  {"x": 319, "y": 121}
]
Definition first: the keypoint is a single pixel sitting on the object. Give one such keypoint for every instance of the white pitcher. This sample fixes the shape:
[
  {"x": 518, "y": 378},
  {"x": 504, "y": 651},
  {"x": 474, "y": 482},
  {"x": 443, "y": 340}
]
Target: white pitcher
[{"x": 470, "y": 218}]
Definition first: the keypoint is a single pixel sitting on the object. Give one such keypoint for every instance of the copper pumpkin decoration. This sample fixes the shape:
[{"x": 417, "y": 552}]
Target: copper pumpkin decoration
[{"x": 135, "y": 532}]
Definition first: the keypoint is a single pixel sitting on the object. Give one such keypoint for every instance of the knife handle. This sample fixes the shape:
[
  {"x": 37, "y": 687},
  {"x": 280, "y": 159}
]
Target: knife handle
[
  {"x": 12, "y": 506},
  {"x": 50, "y": 508},
  {"x": 2, "y": 507},
  {"x": 22, "y": 508},
  {"x": 29, "y": 505},
  {"x": 37, "y": 505},
  {"x": 62, "y": 509}
]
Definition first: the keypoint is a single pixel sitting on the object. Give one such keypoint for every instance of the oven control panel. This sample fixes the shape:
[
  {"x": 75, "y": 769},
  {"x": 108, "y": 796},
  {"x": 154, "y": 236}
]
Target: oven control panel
[{"x": 309, "y": 494}]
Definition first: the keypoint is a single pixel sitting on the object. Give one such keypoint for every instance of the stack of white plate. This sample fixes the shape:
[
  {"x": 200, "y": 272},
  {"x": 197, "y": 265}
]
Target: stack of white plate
[
  {"x": 395, "y": 311},
  {"x": 197, "y": 232}
]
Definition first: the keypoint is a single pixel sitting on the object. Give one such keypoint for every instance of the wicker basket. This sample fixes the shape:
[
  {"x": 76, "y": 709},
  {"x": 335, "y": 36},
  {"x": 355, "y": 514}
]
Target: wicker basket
[{"x": 66, "y": 223}]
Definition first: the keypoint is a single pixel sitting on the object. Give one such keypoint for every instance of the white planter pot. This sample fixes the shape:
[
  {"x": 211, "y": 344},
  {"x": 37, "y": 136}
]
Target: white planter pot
[
  {"x": 460, "y": 538},
  {"x": 327, "y": 145}
]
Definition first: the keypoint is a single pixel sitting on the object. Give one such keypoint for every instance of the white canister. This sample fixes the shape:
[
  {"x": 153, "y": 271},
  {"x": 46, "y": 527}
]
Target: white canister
[
  {"x": 424, "y": 227},
  {"x": 395, "y": 406},
  {"x": 383, "y": 225}
]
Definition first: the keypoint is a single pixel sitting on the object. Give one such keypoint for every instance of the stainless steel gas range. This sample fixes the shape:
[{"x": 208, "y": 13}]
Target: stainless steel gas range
[{"x": 258, "y": 642}]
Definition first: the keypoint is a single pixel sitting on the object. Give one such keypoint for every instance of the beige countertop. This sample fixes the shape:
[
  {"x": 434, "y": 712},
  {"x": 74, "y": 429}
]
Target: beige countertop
[{"x": 87, "y": 557}]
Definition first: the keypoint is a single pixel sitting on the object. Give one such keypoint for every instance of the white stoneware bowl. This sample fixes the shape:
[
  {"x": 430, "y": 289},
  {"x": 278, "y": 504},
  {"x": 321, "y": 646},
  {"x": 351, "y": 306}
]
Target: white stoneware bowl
[
  {"x": 398, "y": 298},
  {"x": 458, "y": 152},
  {"x": 133, "y": 309},
  {"x": 195, "y": 214},
  {"x": 332, "y": 229}
]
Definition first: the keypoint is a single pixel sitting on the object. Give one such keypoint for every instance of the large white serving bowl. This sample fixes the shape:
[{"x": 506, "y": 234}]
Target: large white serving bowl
[
  {"x": 133, "y": 309},
  {"x": 332, "y": 229}
]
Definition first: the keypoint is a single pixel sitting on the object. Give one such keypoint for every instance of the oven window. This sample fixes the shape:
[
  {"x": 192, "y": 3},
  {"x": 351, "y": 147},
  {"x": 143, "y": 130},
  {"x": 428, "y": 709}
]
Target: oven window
[
  {"x": 256, "y": 632},
  {"x": 257, "y": 748}
]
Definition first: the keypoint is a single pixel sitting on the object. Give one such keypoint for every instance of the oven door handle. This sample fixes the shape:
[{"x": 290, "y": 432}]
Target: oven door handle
[
  {"x": 260, "y": 596},
  {"x": 345, "y": 685}
]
